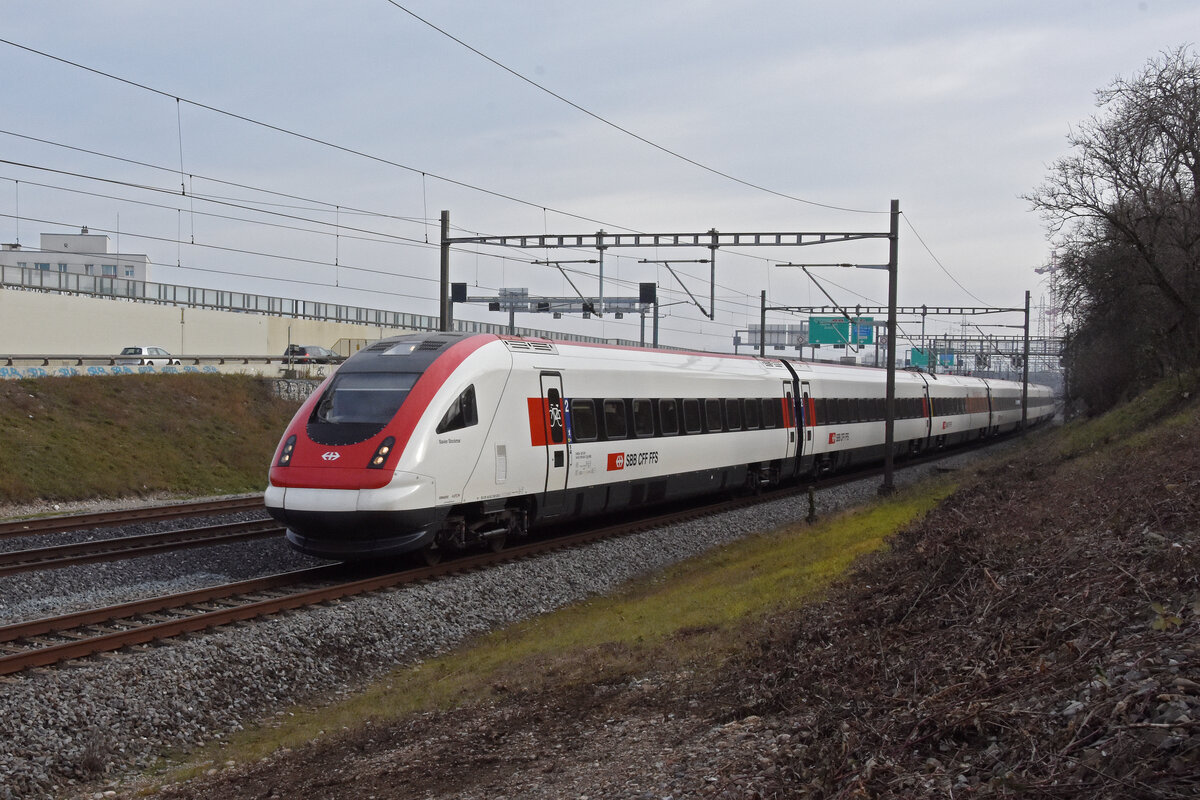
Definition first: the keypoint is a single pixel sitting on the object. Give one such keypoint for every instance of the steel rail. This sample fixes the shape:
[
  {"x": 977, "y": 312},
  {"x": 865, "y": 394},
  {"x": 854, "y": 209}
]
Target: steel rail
[
  {"x": 82, "y": 644},
  {"x": 133, "y": 546},
  {"x": 101, "y": 519},
  {"x": 150, "y": 605}
]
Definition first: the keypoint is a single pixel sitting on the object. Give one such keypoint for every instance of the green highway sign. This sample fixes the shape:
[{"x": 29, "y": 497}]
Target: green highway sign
[{"x": 839, "y": 330}]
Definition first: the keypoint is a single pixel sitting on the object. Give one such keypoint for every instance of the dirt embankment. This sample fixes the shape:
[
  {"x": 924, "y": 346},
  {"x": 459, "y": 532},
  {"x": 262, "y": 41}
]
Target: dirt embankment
[{"x": 1036, "y": 636}]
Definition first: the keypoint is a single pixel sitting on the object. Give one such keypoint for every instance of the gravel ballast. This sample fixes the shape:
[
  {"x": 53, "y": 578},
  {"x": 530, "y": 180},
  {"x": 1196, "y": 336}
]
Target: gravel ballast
[{"x": 67, "y": 725}]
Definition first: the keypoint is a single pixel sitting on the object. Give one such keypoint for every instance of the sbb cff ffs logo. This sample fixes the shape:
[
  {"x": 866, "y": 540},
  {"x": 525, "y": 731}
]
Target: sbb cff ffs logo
[{"x": 622, "y": 460}]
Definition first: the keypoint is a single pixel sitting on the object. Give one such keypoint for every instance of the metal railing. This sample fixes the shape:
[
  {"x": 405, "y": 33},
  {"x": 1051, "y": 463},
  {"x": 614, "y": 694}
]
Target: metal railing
[{"x": 40, "y": 280}]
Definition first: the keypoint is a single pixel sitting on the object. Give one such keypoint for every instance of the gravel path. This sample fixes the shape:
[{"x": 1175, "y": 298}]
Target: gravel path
[{"x": 63, "y": 727}]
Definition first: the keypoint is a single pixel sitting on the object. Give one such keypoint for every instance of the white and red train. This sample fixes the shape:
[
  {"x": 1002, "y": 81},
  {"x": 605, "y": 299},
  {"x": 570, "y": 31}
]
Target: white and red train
[{"x": 442, "y": 441}]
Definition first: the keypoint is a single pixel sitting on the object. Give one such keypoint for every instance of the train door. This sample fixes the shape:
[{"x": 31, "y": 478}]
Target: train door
[
  {"x": 927, "y": 408},
  {"x": 793, "y": 419},
  {"x": 806, "y": 406},
  {"x": 557, "y": 451},
  {"x": 991, "y": 411}
]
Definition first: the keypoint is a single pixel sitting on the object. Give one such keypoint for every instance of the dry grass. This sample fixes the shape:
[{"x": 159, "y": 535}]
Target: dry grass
[
  {"x": 74, "y": 438},
  {"x": 693, "y": 616}
]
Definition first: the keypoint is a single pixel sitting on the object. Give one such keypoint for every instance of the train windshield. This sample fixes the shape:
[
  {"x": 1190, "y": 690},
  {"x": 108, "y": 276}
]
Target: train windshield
[{"x": 364, "y": 398}]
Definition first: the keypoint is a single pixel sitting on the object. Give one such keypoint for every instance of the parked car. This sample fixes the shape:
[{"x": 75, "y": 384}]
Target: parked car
[
  {"x": 311, "y": 354},
  {"x": 139, "y": 354}
]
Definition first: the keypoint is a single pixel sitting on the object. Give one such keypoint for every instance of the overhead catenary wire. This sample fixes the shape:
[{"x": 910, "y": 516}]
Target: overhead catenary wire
[
  {"x": 740, "y": 304},
  {"x": 622, "y": 129},
  {"x": 274, "y": 256},
  {"x": 252, "y": 204},
  {"x": 303, "y": 136},
  {"x": 323, "y": 203},
  {"x": 501, "y": 195}
]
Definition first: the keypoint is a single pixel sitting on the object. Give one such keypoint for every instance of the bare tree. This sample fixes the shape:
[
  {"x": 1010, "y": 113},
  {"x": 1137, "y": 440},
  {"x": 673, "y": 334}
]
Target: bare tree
[{"x": 1123, "y": 210}]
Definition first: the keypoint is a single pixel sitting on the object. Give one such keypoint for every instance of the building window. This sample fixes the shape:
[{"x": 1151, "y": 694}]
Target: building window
[
  {"x": 62, "y": 267},
  {"x": 89, "y": 269},
  {"x": 42, "y": 265},
  {"x": 129, "y": 272},
  {"x": 109, "y": 270}
]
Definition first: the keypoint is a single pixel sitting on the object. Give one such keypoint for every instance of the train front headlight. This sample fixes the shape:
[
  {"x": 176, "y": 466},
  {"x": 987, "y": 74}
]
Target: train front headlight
[
  {"x": 381, "y": 453},
  {"x": 285, "y": 456}
]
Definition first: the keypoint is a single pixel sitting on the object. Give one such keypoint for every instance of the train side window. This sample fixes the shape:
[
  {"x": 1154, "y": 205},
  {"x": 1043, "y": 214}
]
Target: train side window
[
  {"x": 751, "y": 411},
  {"x": 691, "y": 415},
  {"x": 768, "y": 412},
  {"x": 733, "y": 414},
  {"x": 614, "y": 419},
  {"x": 583, "y": 420},
  {"x": 712, "y": 415},
  {"x": 819, "y": 413},
  {"x": 668, "y": 416},
  {"x": 643, "y": 418},
  {"x": 462, "y": 412}
]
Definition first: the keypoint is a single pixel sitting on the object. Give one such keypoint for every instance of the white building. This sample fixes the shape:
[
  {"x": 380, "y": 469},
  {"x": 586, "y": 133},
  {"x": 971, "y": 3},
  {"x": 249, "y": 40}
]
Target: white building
[{"x": 80, "y": 253}]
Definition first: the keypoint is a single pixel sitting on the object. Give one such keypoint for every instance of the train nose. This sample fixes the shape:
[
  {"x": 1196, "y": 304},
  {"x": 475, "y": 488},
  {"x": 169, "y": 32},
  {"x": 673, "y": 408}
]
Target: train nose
[{"x": 337, "y": 523}]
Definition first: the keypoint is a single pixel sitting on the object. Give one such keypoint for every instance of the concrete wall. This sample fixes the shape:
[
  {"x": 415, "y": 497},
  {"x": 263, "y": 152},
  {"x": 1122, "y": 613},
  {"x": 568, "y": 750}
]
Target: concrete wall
[{"x": 49, "y": 323}]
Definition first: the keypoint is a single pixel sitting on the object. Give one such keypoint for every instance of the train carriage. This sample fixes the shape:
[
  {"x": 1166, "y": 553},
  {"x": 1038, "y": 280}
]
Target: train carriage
[{"x": 441, "y": 441}]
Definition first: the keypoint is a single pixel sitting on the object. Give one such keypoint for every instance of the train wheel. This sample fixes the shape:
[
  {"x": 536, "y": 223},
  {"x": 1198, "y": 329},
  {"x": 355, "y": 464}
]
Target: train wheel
[
  {"x": 496, "y": 543},
  {"x": 430, "y": 555}
]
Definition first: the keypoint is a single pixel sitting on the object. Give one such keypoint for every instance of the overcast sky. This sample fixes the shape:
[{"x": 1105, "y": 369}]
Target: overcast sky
[{"x": 953, "y": 108}]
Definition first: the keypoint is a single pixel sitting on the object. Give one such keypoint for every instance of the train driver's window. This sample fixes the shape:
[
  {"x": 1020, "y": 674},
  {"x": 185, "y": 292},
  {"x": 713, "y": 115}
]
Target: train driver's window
[
  {"x": 643, "y": 418},
  {"x": 583, "y": 420},
  {"x": 462, "y": 412},
  {"x": 614, "y": 419}
]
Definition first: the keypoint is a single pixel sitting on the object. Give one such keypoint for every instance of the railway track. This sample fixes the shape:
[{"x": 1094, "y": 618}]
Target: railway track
[
  {"x": 133, "y": 546},
  {"x": 44, "y": 642},
  {"x": 101, "y": 519}
]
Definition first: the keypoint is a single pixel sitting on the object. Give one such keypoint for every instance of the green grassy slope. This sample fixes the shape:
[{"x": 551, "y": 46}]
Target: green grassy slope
[{"x": 65, "y": 439}]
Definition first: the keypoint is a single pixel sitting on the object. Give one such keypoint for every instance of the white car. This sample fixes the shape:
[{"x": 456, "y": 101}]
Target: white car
[{"x": 145, "y": 354}]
